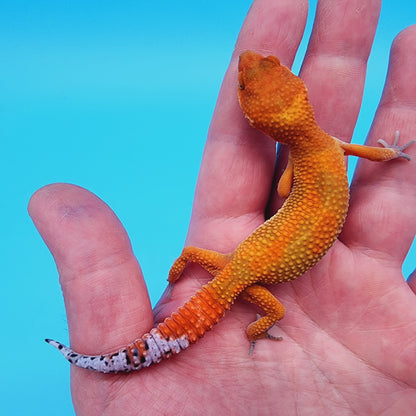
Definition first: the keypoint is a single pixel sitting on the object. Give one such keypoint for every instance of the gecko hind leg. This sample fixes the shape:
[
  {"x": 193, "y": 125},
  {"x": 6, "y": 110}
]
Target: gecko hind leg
[
  {"x": 275, "y": 311},
  {"x": 211, "y": 261}
]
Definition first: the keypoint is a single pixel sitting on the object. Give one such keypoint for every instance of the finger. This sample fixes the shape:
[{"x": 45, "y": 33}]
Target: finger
[
  {"x": 335, "y": 63},
  {"x": 237, "y": 168},
  {"x": 383, "y": 195},
  {"x": 105, "y": 296}
]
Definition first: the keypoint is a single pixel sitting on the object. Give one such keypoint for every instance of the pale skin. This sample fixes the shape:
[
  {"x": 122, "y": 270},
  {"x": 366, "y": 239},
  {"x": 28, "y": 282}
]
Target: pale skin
[{"x": 349, "y": 342}]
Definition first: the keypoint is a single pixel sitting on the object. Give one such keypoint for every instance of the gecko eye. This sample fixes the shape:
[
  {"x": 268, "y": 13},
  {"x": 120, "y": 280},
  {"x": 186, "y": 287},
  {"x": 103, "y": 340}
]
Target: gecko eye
[{"x": 241, "y": 86}]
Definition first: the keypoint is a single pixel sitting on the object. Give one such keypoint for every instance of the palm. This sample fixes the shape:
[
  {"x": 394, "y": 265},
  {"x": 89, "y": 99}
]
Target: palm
[{"x": 350, "y": 323}]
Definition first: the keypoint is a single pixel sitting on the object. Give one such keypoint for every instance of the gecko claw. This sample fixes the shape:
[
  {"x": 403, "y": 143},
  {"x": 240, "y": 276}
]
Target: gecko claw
[
  {"x": 273, "y": 338},
  {"x": 267, "y": 336}
]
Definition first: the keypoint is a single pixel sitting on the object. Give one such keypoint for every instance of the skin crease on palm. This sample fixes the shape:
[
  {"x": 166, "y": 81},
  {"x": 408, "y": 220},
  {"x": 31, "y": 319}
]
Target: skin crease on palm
[{"x": 349, "y": 342}]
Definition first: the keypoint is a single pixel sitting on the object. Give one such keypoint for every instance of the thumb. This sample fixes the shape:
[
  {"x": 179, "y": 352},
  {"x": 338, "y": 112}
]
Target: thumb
[{"x": 106, "y": 300}]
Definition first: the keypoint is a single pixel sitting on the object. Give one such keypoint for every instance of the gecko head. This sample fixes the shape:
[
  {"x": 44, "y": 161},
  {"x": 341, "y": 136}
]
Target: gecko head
[{"x": 272, "y": 98}]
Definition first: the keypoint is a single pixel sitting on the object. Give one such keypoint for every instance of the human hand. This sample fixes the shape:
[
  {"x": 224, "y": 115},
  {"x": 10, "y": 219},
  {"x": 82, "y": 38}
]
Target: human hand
[{"x": 349, "y": 330}]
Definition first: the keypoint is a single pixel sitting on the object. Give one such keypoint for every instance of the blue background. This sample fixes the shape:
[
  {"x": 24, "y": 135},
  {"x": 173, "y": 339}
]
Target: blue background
[{"x": 116, "y": 97}]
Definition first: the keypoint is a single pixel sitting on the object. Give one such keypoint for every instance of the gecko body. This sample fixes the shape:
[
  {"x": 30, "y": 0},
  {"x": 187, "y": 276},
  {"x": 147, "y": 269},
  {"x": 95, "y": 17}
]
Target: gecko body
[{"x": 274, "y": 101}]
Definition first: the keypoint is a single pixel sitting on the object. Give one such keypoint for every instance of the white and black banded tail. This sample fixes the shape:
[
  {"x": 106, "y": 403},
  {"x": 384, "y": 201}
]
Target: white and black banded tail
[{"x": 152, "y": 348}]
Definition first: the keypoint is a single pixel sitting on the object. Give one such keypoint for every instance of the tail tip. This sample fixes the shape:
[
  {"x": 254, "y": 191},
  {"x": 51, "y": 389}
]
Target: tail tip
[{"x": 54, "y": 343}]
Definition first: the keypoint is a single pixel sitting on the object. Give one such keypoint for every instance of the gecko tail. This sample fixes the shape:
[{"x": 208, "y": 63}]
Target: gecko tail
[{"x": 151, "y": 348}]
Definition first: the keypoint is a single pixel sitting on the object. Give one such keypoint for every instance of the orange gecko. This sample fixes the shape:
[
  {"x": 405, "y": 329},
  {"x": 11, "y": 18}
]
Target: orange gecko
[{"x": 274, "y": 101}]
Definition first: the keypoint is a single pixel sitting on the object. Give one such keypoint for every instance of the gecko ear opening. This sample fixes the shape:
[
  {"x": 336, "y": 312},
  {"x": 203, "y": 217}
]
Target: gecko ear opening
[{"x": 241, "y": 84}]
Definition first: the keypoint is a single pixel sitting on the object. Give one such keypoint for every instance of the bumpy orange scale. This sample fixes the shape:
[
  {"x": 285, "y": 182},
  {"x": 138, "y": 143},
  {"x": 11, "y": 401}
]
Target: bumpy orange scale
[{"x": 315, "y": 183}]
